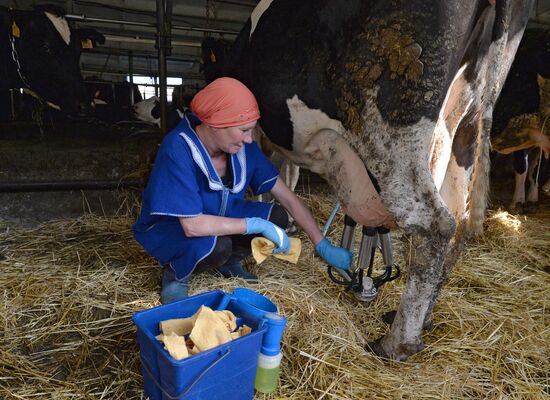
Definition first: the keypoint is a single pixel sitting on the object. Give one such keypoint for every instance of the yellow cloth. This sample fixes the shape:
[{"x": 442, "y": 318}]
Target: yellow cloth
[
  {"x": 206, "y": 328},
  {"x": 209, "y": 330},
  {"x": 180, "y": 326},
  {"x": 175, "y": 345},
  {"x": 263, "y": 248}
]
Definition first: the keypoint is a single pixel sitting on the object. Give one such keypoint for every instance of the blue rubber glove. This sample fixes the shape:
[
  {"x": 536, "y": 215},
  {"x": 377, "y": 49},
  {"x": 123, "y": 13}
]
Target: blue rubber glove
[
  {"x": 270, "y": 231},
  {"x": 334, "y": 256}
]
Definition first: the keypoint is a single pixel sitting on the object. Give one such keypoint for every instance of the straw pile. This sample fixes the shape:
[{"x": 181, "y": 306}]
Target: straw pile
[{"x": 69, "y": 289}]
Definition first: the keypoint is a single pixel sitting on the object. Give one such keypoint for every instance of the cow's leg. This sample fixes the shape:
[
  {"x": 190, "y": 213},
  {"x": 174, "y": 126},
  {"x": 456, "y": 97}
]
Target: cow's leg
[
  {"x": 520, "y": 174},
  {"x": 426, "y": 219},
  {"x": 532, "y": 175},
  {"x": 424, "y": 280},
  {"x": 290, "y": 173}
]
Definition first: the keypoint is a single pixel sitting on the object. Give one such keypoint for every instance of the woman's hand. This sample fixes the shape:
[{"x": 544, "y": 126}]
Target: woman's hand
[
  {"x": 270, "y": 231},
  {"x": 334, "y": 256}
]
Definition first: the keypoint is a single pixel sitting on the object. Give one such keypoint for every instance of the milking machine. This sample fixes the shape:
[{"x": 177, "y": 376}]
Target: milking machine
[{"x": 365, "y": 286}]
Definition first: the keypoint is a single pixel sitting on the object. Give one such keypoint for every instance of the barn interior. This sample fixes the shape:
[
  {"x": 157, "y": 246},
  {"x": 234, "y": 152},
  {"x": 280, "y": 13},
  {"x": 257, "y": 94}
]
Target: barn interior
[{"x": 73, "y": 276}]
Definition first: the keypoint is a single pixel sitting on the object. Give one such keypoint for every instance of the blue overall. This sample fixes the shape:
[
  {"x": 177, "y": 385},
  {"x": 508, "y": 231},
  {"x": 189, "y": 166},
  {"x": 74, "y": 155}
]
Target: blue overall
[{"x": 184, "y": 183}]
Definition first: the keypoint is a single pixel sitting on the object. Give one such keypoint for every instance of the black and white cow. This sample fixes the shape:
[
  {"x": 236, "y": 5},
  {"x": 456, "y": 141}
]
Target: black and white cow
[
  {"x": 148, "y": 110},
  {"x": 521, "y": 113},
  {"x": 40, "y": 53},
  {"x": 112, "y": 101},
  {"x": 108, "y": 92},
  {"x": 396, "y": 95}
]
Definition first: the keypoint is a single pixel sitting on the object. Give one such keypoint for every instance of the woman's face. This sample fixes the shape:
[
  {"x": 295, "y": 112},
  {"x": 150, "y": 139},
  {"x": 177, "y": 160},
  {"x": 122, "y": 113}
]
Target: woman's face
[{"x": 231, "y": 139}]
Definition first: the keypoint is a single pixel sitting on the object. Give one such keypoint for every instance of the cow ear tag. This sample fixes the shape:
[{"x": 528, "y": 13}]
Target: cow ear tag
[
  {"x": 212, "y": 56},
  {"x": 15, "y": 32},
  {"x": 87, "y": 44}
]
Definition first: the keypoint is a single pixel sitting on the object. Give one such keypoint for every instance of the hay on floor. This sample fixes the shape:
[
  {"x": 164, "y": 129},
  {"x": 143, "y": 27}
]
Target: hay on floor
[{"x": 69, "y": 289}]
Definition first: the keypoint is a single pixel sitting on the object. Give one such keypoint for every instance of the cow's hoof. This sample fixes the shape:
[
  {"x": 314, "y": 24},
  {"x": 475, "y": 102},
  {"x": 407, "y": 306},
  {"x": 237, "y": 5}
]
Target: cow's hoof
[
  {"x": 516, "y": 208},
  {"x": 376, "y": 348},
  {"x": 401, "y": 353},
  {"x": 530, "y": 207}
]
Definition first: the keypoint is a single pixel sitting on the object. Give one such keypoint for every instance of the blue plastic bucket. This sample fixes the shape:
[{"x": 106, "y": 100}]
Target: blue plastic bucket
[{"x": 226, "y": 372}]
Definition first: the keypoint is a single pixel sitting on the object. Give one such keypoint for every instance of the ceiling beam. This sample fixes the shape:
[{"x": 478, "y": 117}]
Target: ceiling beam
[
  {"x": 149, "y": 13},
  {"x": 83, "y": 18}
]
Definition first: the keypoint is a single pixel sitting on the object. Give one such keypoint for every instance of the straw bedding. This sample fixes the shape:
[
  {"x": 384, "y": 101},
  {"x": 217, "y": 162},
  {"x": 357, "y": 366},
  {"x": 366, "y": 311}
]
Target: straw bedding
[{"x": 69, "y": 289}]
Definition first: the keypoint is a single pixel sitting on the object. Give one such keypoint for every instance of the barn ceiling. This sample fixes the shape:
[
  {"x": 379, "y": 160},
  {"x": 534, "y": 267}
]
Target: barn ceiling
[{"x": 130, "y": 28}]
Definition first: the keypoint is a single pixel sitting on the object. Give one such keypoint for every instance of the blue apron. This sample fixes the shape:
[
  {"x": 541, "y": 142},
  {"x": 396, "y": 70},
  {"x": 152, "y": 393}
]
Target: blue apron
[{"x": 184, "y": 183}]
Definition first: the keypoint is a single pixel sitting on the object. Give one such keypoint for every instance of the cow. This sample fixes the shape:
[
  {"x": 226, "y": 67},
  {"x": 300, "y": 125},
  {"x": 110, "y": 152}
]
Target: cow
[
  {"x": 112, "y": 101},
  {"x": 521, "y": 113},
  {"x": 148, "y": 110},
  {"x": 182, "y": 96},
  {"x": 107, "y": 92},
  {"x": 40, "y": 54},
  {"x": 213, "y": 52},
  {"x": 391, "y": 102}
]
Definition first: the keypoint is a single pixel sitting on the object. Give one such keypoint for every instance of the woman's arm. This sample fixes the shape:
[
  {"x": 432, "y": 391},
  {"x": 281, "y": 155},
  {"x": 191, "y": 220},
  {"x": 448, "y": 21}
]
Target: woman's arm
[
  {"x": 212, "y": 225},
  {"x": 294, "y": 205}
]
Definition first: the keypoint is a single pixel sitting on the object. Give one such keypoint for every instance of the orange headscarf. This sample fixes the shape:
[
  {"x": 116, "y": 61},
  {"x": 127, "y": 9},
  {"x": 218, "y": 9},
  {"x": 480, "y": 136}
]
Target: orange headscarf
[{"x": 225, "y": 102}]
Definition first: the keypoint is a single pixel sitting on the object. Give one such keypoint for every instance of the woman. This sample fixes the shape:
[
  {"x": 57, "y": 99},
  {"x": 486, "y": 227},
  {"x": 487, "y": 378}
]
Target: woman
[{"x": 194, "y": 214}]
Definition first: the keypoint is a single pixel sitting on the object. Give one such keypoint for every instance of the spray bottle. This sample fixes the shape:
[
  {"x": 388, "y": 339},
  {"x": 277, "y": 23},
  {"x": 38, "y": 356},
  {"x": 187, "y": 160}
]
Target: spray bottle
[{"x": 269, "y": 360}]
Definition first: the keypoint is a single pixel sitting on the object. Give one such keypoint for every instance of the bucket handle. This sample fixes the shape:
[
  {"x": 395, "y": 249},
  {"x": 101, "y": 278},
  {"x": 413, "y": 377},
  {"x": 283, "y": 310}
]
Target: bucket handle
[{"x": 179, "y": 396}]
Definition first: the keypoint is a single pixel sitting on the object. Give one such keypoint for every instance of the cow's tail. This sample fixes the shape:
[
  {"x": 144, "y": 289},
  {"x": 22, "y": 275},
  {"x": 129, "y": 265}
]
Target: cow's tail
[
  {"x": 479, "y": 188},
  {"x": 507, "y": 33}
]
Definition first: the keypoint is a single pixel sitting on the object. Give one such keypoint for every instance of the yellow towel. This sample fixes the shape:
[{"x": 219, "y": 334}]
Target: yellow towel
[
  {"x": 180, "y": 326},
  {"x": 175, "y": 345},
  {"x": 206, "y": 328},
  {"x": 209, "y": 330},
  {"x": 262, "y": 248}
]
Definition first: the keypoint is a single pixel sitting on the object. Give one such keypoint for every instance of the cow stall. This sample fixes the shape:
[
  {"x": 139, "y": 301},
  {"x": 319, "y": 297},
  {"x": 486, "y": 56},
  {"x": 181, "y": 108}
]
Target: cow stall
[{"x": 72, "y": 170}]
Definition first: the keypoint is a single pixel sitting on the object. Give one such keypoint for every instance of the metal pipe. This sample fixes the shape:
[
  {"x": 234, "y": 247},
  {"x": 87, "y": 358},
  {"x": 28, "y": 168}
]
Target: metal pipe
[
  {"x": 119, "y": 52},
  {"x": 50, "y": 186},
  {"x": 12, "y": 102},
  {"x": 136, "y": 39},
  {"x": 131, "y": 74},
  {"x": 83, "y": 18},
  {"x": 331, "y": 218},
  {"x": 94, "y": 70},
  {"x": 163, "y": 46}
]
